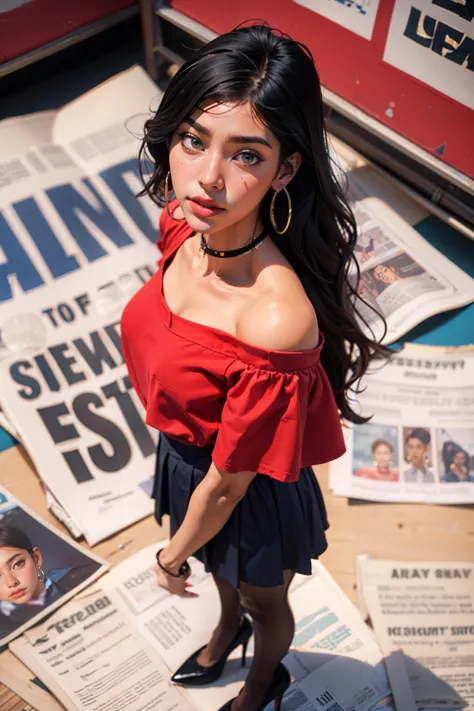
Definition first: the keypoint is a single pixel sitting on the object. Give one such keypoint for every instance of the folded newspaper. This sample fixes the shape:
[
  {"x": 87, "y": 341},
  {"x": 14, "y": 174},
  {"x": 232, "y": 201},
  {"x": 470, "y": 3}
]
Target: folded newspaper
[
  {"x": 117, "y": 644},
  {"x": 419, "y": 444},
  {"x": 77, "y": 243},
  {"x": 426, "y": 609},
  {"x": 41, "y": 568}
]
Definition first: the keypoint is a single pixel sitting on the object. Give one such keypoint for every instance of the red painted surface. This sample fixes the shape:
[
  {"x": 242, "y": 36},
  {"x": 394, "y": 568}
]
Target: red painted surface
[
  {"x": 353, "y": 68},
  {"x": 41, "y": 21}
]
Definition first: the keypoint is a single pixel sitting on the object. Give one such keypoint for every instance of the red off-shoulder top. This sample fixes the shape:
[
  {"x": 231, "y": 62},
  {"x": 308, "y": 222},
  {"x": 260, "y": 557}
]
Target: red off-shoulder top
[{"x": 270, "y": 412}]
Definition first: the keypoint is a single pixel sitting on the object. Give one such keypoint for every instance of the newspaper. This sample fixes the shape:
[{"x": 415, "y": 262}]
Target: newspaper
[
  {"x": 344, "y": 684},
  {"x": 76, "y": 244},
  {"x": 419, "y": 444},
  {"x": 40, "y": 569},
  {"x": 403, "y": 277},
  {"x": 101, "y": 645},
  {"x": 426, "y": 609}
]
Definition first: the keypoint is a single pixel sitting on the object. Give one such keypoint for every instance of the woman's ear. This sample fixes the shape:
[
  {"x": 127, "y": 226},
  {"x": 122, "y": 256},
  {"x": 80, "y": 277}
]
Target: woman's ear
[
  {"x": 37, "y": 557},
  {"x": 287, "y": 171}
]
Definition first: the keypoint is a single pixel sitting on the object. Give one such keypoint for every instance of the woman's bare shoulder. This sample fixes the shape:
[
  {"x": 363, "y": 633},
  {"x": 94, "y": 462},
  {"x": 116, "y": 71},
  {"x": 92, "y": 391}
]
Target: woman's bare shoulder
[{"x": 282, "y": 317}]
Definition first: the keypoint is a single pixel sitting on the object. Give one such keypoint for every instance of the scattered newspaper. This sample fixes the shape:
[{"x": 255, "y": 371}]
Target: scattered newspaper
[
  {"x": 403, "y": 277},
  {"x": 426, "y": 609},
  {"x": 76, "y": 244},
  {"x": 419, "y": 444},
  {"x": 126, "y": 637},
  {"x": 45, "y": 569},
  {"x": 344, "y": 684}
]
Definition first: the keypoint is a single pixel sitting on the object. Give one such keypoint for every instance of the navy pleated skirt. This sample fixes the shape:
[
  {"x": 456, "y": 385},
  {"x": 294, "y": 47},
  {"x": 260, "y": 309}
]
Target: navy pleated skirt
[{"x": 275, "y": 527}]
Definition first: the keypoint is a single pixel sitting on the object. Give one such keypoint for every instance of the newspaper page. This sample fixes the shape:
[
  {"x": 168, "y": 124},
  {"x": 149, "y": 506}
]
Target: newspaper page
[
  {"x": 427, "y": 610},
  {"x": 419, "y": 444},
  {"x": 40, "y": 569},
  {"x": 76, "y": 244},
  {"x": 93, "y": 659},
  {"x": 403, "y": 277}
]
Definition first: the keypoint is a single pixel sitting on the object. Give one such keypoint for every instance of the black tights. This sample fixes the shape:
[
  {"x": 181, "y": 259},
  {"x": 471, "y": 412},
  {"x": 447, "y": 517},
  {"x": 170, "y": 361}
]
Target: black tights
[{"x": 273, "y": 625}]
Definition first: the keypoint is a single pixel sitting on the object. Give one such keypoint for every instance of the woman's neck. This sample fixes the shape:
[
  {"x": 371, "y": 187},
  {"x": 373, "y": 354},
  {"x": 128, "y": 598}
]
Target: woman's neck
[{"x": 235, "y": 236}]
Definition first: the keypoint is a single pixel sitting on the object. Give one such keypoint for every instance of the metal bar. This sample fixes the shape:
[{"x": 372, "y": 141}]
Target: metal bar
[
  {"x": 148, "y": 31},
  {"x": 185, "y": 23},
  {"x": 47, "y": 50}
]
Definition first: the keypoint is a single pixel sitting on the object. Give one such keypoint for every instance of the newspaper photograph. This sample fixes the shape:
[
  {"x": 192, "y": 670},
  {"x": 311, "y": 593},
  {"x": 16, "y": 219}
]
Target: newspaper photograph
[
  {"x": 426, "y": 609},
  {"x": 419, "y": 444},
  {"x": 40, "y": 569},
  {"x": 403, "y": 277},
  {"x": 77, "y": 244}
]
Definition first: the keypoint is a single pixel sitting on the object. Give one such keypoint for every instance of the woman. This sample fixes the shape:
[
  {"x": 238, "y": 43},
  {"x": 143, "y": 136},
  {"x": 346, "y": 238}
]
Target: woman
[
  {"x": 25, "y": 588},
  {"x": 386, "y": 274},
  {"x": 456, "y": 465},
  {"x": 416, "y": 453},
  {"x": 382, "y": 452},
  {"x": 223, "y": 344}
]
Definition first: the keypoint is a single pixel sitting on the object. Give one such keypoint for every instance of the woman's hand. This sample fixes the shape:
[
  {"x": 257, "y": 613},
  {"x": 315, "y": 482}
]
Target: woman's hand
[{"x": 174, "y": 585}]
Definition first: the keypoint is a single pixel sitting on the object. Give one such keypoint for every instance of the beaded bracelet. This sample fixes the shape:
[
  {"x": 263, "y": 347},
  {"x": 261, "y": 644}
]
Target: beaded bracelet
[{"x": 183, "y": 571}]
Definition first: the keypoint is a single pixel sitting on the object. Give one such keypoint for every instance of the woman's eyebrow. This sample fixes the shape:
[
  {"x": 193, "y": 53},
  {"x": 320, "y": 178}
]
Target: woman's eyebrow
[
  {"x": 17, "y": 555},
  {"x": 232, "y": 139}
]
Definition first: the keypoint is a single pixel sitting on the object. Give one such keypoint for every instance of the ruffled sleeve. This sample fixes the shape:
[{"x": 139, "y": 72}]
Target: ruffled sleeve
[{"x": 276, "y": 422}]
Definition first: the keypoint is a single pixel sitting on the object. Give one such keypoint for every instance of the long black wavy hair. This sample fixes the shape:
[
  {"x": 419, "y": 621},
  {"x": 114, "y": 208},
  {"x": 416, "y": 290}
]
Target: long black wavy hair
[{"x": 277, "y": 76}]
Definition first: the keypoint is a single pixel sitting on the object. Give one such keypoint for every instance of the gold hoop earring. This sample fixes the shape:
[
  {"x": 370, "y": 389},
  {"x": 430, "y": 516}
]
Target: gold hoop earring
[
  {"x": 272, "y": 210},
  {"x": 167, "y": 200},
  {"x": 40, "y": 573}
]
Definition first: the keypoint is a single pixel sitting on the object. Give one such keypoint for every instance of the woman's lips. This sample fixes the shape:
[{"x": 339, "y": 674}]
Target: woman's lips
[
  {"x": 18, "y": 593},
  {"x": 203, "y": 210}
]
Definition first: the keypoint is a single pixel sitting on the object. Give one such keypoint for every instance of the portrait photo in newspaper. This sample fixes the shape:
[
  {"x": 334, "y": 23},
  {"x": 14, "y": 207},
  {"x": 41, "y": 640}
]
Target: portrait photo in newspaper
[
  {"x": 375, "y": 454},
  {"x": 396, "y": 281},
  {"x": 418, "y": 456},
  {"x": 456, "y": 455},
  {"x": 39, "y": 568}
]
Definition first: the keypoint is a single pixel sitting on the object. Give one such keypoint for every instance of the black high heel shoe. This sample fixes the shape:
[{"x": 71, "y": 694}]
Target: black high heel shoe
[
  {"x": 280, "y": 683},
  {"x": 191, "y": 673}
]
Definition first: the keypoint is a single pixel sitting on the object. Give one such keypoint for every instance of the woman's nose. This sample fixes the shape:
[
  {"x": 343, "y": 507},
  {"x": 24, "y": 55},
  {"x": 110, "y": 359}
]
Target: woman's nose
[
  {"x": 11, "y": 580},
  {"x": 211, "y": 177}
]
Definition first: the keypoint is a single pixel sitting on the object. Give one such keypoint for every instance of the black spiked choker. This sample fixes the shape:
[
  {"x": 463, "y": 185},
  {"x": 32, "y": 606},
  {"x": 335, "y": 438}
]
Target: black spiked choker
[{"x": 228, "y": 253}]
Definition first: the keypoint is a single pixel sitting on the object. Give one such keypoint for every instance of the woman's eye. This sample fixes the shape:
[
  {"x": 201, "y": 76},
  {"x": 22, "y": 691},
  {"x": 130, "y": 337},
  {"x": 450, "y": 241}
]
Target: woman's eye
[
  {"x": 18, "y": 564},
  {"x": 190, "y": 142},
  {"x": 249, "y": 158}
]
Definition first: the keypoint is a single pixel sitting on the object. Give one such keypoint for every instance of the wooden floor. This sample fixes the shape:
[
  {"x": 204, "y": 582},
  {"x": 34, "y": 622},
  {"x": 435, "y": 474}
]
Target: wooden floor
[{"x": 397, "y": 531}]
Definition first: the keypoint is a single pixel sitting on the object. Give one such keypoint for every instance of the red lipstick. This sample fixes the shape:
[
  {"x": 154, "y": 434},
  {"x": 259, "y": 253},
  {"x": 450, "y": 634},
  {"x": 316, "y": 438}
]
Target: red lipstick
[
  {"x": 204, "y": 207},
  {"x": 18, "y": 593}
]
